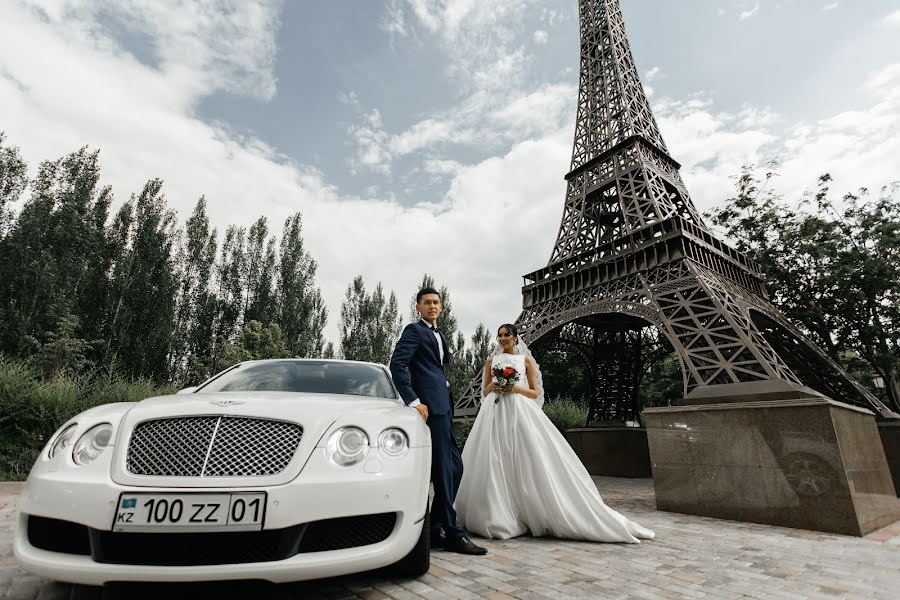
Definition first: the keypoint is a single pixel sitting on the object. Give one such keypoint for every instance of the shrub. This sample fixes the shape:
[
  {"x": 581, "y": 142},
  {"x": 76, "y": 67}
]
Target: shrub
[
  {"x": 565, "y": 413},
  {"x": 32, "y": 408},
  {"x": 462, "y": 428}
]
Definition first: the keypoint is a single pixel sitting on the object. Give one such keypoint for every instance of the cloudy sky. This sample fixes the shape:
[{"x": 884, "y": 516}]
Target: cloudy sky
[{"x": 433, "y": 135}]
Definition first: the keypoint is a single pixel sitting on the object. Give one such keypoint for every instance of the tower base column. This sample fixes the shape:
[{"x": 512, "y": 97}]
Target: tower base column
[
  {"x": 612, "y": 451},
  {"x": 808, "y": 463}
]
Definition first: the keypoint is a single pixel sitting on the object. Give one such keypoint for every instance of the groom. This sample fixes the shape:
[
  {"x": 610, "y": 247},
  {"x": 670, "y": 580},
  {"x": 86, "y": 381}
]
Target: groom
[{"x": 423, "y": 350}]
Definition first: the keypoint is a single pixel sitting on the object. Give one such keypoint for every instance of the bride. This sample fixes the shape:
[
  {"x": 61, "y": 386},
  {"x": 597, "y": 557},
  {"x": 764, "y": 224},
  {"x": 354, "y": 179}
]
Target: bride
[{"x": 520, "y": 473}]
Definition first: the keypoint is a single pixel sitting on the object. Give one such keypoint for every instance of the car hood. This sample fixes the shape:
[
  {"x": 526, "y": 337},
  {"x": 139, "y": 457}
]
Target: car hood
[
  {"x": 306, "y": 409},
  {"x": 316, "y": 413}
]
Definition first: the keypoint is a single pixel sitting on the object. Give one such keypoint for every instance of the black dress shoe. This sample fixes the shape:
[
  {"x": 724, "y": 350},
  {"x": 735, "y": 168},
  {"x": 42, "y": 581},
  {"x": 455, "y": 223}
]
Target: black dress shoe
[
  {"x": 464, "y": 546},
  {"x": 438, "y": 541}
]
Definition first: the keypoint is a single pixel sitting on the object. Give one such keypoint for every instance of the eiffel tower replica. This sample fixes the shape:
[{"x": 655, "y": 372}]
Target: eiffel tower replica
[
  {"x": 632, "y": 251},
  {"x": 633, "y": 255}
]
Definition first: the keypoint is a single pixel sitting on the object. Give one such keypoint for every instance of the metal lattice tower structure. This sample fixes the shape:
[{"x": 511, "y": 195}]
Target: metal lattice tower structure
[{"x": 633, "y": 254}]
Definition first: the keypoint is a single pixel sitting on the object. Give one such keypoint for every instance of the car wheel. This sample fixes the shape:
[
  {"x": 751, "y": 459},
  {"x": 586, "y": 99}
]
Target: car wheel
[
  {"x": 70, "y": 591},
  {"x": 418, "y": 561}
]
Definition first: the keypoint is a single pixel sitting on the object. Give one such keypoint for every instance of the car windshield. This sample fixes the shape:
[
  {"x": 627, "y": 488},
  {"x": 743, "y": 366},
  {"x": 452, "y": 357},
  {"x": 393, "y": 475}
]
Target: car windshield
[{"x": 309, "y": 376}]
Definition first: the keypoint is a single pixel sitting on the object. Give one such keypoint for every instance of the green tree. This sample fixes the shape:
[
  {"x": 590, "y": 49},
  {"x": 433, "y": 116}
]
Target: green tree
[
  {"x": 261, "y": 260},
  {"x": 200, "y": 298},
  {"x": 301, "y": 311},
  {"x": 482, "y": 347},
  {"x": 192, "y": 331},
  {"x": 144, "y": 285},
  {"x": 662, "y": 383},
  {"x": 13, "y": 179},
  {"x": 54, "y": 259},
  {"x": 370, "y": 324},
  {"x": 64, "y": 353},
  {"x": 230, "y": 277},
  {"x": 833, "y": 268},
  {"x": 263, "y": 341}
]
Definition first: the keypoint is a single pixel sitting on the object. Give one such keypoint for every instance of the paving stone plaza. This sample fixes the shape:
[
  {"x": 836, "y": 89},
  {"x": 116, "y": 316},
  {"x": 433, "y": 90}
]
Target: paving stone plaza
[{"x": 692, "y": 557}]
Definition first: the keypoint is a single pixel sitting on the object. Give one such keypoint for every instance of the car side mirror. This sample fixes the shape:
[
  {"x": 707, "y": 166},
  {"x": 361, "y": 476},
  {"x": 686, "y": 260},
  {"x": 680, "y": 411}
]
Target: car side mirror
[{"x": 187, "y": 390}]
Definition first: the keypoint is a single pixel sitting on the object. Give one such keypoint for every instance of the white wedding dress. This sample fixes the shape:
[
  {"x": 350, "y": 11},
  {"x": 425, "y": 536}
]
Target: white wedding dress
[{"x": 522, "y": 476}]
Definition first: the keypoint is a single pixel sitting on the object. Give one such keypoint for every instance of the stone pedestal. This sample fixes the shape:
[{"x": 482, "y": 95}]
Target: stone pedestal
[
  {"x": 890, "y": 440},
  {"x": 612, "y": 451},
  {"x": 809, "y": 463}
]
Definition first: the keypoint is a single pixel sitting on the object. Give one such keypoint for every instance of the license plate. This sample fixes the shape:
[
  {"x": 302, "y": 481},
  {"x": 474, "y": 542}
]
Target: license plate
[{"x": 200, "y": 511}]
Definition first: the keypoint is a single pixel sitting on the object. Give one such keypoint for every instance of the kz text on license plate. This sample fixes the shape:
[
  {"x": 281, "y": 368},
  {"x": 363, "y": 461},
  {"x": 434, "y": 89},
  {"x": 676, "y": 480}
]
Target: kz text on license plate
[{"x": 200, "y": 511}]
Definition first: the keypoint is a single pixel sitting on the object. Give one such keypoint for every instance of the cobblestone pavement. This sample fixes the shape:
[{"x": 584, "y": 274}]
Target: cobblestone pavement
[{"x": 691, "y": 557}]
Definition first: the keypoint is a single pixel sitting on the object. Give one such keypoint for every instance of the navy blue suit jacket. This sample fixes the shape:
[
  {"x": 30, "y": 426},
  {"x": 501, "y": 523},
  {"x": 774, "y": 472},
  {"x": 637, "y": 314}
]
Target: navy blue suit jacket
[{"x": 417, "y": 350}]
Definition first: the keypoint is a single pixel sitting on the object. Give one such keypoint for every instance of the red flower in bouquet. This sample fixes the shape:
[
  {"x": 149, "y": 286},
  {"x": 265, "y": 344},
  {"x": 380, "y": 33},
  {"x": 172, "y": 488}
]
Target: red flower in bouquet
[{"x": 505, "y": 377}]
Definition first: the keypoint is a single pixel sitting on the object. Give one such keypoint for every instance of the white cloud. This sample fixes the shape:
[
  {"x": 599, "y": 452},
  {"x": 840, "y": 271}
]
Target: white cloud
[
  {"x": 650, "y": 76},
  {"x": 859, "y": 148},
  {"x": 483, "y": 120},
  {"x": 200, "y": 47},
  {"x": 482, "y": 40},
  {"x": 83, "y": 88},
  {"x": 349, "y": 98},
  {"x": 711, "y": 145},
  {"x": 551, "y": 17},
  {"x": 831, "y": 6},
  {"x": 482, "y": 44},
  {"x": 371, "y": 140},
  {"x": 885, "y": 80},
  {"x": 746, "y": 14},
  {"x": 442, "y": 167},
  {"x": 394, "y": 20},
  {"x": 892, "y": 19}
]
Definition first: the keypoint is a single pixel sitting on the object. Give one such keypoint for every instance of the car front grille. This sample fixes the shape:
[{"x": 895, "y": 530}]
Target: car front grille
[
  {"x": 212, "y": 446},
  {"x": 347, "y": 532},
  {"x": 194, "y": 549},
  {"x": 210, "y": 548}
]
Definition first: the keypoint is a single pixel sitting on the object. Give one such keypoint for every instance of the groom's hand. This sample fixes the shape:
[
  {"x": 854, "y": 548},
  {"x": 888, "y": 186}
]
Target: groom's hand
[{"x": 423, "y": 410}]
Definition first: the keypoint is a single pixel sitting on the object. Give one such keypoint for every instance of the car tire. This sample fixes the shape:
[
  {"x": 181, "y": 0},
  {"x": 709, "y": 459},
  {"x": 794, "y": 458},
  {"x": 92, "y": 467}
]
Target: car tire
[{"x": 418, "y": 561}]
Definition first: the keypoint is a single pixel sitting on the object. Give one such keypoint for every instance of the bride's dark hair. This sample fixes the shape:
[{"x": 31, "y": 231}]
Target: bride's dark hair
[{"x": 510, "y": 328}]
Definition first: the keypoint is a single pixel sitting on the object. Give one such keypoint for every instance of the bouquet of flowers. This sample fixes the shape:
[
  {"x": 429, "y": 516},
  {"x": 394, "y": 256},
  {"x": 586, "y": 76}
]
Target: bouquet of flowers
[{"x": 505, "y": 377}]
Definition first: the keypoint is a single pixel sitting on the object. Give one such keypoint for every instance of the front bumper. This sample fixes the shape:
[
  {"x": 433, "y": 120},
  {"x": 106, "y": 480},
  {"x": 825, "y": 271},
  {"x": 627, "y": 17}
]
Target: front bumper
[{"x": 322, "y": 491}]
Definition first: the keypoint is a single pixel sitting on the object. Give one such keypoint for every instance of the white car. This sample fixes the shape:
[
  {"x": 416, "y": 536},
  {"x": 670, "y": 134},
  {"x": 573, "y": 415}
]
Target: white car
[{"x": 278, "y": 470}]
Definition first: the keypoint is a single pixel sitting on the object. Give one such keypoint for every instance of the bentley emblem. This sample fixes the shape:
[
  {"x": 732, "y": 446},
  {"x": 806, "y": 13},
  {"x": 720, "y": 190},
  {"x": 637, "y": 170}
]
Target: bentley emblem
[{"x": 226, "y": 402}]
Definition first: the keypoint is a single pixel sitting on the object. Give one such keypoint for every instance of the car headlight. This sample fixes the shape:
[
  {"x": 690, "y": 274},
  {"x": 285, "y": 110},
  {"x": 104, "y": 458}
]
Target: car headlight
[
  {"x": 90, "y": 445},
  {"x": 62, "y": 441},
  {"x": 393, "y": 442},
  {"x": 347, "y": 446}
]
